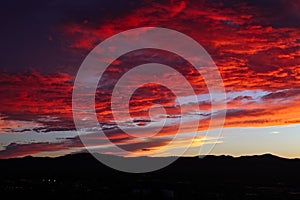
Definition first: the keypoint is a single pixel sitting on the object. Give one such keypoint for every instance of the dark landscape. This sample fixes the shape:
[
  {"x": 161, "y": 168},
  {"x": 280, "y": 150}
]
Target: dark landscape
[
  {"x": 159, "y": 78},
  {"x": 81, "y": 176}
]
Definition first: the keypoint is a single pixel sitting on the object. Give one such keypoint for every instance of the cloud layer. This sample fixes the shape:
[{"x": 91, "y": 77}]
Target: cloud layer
[{"x": 256, "y": 49}]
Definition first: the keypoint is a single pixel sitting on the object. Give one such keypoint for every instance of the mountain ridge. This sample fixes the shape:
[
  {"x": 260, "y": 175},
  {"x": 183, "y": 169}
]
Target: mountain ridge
[
  {"x": 265, "y": 155},
  {"x": 81, "y": 176}
]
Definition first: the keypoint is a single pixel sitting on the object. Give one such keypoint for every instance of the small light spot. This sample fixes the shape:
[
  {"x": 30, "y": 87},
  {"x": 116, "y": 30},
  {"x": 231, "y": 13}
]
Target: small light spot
[{"x": 274, "y": 132}]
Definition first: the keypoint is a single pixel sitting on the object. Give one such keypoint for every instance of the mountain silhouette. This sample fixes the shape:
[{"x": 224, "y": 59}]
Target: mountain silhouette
[{"x": 81, "y": 176}]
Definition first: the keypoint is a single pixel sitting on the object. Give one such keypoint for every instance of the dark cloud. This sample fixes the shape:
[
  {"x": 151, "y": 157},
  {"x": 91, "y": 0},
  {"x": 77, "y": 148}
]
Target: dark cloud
[
  {"x": 30, "y": 36},
  {"x": 20, "y": 150},
  {"x": 149, "y": 145},
  {"x": 278, "y": 13},
  {"x": 286, "y": 94}
]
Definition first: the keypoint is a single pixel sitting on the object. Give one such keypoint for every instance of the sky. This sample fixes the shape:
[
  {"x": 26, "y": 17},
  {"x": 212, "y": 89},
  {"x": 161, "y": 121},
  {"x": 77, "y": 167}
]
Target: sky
[{"x": 254, "y": 44}]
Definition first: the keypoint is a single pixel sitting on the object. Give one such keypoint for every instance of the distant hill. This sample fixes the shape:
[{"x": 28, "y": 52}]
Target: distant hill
[
  {"x": 81, "y": 176},
  {"x": 85, "y": 164}
]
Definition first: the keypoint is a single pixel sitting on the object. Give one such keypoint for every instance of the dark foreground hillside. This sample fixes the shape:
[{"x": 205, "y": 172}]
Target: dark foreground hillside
[{"x": 213, "y": 178}]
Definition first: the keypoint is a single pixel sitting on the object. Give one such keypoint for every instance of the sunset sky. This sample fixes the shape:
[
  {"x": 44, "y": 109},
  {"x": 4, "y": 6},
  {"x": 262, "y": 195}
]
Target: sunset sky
[{"x": 255, "y": 45}]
